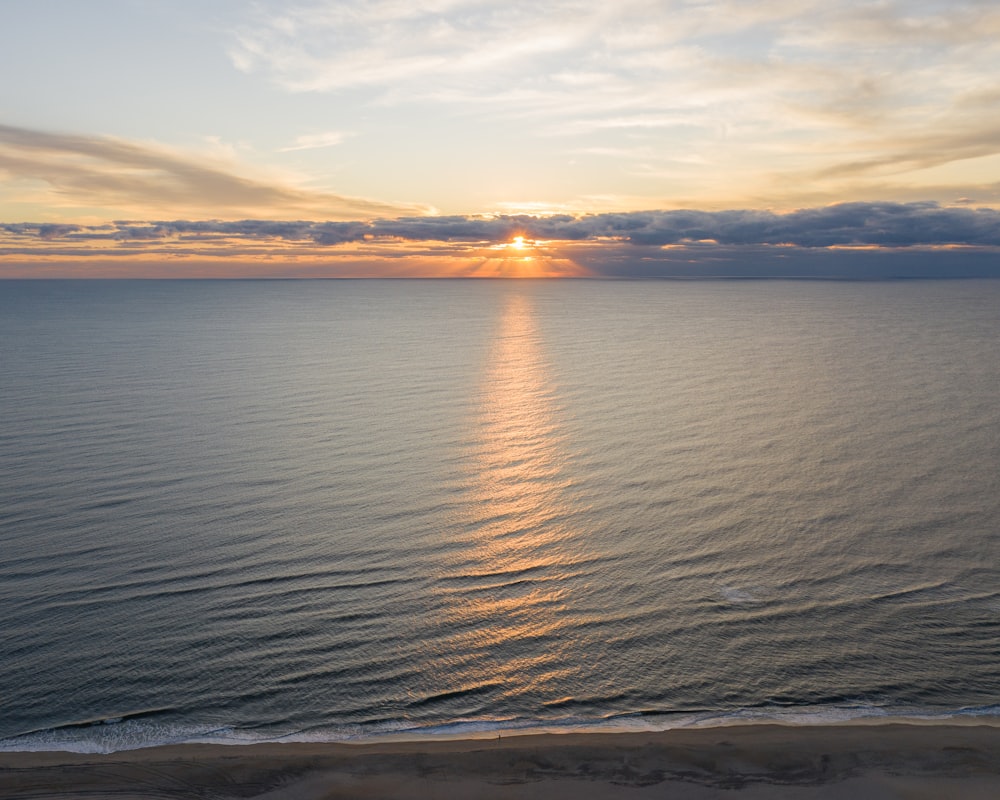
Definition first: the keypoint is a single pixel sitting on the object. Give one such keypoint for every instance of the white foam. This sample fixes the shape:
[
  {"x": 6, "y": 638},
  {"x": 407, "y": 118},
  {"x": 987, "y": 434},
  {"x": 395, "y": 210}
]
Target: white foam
[
  {"x": 732, "y": 594},
  {"x": 110, "y": 736}
]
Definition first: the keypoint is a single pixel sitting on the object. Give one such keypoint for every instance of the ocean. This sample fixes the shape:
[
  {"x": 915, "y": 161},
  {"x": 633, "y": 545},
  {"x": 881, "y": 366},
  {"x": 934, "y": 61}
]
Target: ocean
[{"x": 244, "y": 511}]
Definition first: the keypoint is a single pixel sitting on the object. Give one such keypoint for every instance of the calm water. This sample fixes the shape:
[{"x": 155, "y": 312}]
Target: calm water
[{"x": 246, "y": 510}]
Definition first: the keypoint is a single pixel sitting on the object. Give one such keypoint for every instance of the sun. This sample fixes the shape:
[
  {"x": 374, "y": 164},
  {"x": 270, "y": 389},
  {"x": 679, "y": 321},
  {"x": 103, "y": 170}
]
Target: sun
[{"x": 518, "y": 243}]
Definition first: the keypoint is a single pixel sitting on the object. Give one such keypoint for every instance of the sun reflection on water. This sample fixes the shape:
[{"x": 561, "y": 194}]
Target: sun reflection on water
[{"x": 504, "y": 594}]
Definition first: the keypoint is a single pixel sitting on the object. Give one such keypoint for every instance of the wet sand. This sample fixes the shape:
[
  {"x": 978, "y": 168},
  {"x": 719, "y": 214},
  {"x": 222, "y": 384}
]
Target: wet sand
[{"x": 848, "y": 762}]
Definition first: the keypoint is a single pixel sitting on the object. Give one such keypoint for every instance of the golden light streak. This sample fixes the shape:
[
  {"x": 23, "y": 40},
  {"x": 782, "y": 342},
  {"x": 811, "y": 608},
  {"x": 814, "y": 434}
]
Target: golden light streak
[
  {"x": 507, "y": 586},
  {"x": 232, "y": 256}
]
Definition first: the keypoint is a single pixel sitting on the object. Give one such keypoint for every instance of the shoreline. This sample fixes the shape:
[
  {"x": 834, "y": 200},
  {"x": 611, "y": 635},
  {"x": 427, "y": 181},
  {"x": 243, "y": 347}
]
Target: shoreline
[
  {"x": 481, "y": 730},
  {"x": 912, "y": 759}
]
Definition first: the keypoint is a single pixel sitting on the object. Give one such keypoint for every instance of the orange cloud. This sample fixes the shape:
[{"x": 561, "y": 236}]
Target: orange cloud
[{"x": 111, "y": 173}]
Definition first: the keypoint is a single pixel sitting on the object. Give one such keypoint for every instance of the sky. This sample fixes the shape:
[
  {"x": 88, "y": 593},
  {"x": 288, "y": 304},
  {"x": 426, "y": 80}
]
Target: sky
[{"x": 352, "y": 138}]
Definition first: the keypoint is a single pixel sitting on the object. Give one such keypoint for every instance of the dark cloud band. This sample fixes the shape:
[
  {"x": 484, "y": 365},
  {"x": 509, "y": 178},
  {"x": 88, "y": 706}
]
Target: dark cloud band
[{"x": 889, "y": 225}]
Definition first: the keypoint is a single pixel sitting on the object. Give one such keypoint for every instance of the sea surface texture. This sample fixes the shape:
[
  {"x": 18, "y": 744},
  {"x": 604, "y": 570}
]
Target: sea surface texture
[{"x": 235, "y": 511}]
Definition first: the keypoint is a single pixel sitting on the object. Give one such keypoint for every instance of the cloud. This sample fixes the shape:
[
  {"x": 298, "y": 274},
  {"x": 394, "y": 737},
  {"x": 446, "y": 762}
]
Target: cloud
[
  {"x": 846, "y": 240},
  {"x": 487, "y": 47},
  {"x": 312, "y": 141},
  {"x": 885, "y": 225},
  {"x": 114, "y": 173},
  {"x": 929, "y": 150},
  {"x": 728, "y": 97},
  {"x": 333, "y": 45}
]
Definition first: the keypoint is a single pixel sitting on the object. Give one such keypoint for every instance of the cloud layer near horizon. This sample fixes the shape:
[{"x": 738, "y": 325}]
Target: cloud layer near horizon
[
  {"x": 964, "y": 241},
  {"x": 840, "y": 225}
]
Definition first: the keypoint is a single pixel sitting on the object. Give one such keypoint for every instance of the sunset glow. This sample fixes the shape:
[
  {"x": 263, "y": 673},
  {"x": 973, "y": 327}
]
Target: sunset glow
[{"x": 295, "y": 132}]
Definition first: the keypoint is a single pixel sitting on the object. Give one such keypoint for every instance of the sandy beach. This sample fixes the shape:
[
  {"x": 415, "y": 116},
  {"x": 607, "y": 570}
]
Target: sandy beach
[{"x": 855, "y": 761}]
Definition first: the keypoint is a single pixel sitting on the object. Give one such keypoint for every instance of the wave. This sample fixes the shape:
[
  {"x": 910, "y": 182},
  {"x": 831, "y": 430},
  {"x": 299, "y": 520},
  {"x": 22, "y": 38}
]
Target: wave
[
  {"x": 141, "y": 729},
  {"x": 737, "y": 596}
]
